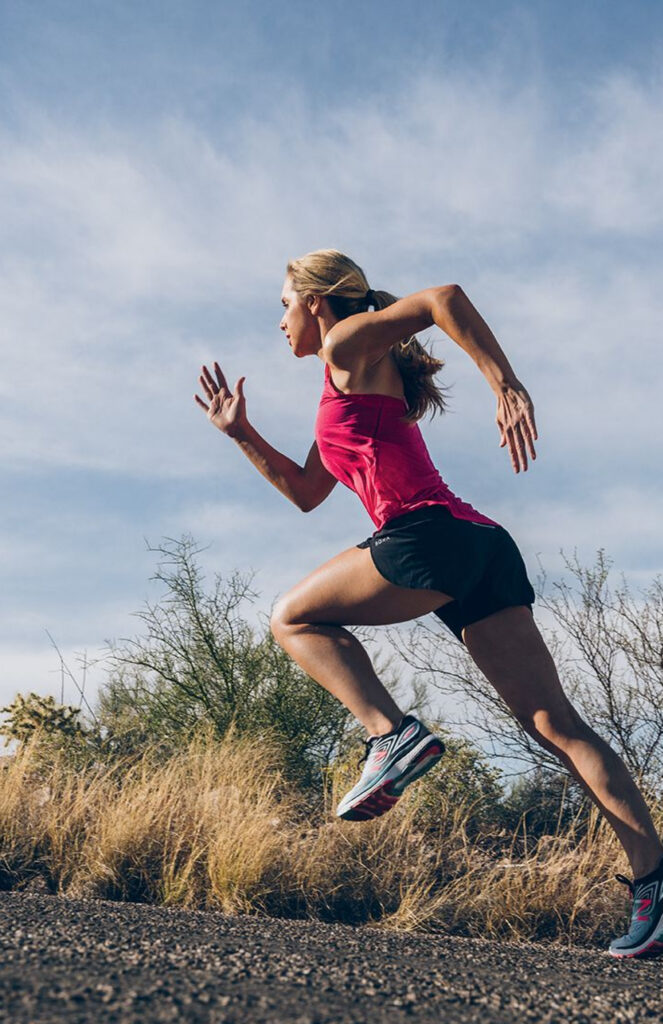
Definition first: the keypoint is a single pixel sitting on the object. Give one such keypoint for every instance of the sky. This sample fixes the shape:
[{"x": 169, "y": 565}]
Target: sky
[{"x": 159, "y": 165}]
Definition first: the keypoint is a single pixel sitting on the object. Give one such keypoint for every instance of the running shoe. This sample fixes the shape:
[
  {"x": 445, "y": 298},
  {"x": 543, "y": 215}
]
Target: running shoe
[
  {"x": 645, "y": 936},
  {"x": 393, "y": 761}
]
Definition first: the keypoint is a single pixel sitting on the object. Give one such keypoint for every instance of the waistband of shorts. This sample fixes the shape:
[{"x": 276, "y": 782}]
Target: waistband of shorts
[{"x": 416, "y": 513}]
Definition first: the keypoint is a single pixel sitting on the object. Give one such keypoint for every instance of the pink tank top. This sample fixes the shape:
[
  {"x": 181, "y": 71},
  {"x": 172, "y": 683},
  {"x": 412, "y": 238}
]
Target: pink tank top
[{"x": 385, "y": 462}]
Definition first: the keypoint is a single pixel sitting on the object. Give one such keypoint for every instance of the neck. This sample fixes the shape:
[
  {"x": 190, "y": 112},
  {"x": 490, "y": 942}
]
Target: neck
[{"x": 326, "y": 321}]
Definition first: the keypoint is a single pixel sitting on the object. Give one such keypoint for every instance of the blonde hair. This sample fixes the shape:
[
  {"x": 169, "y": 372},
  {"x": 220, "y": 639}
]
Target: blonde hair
[{"x": 343, "y": 283}]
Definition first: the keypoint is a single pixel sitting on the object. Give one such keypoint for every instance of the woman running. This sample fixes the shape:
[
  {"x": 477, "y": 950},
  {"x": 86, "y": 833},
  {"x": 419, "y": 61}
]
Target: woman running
[{"x": 430, "y": 551}]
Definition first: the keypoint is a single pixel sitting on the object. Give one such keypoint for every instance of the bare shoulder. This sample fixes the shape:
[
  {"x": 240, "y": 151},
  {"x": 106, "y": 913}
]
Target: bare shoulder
[
  {"x": 371, "y": 335},
  {"x": 381, "y": 378}
]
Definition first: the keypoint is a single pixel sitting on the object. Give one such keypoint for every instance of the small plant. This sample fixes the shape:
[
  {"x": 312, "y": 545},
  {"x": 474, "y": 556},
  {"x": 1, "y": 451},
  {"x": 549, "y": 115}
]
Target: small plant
[
  {"x": 30, "y": 713},
  {"x": 52, "y": 729}
]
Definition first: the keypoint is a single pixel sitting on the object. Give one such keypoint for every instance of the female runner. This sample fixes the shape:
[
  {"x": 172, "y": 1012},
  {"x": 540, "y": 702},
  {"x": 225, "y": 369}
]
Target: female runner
[{"x": 430, "y": 552}]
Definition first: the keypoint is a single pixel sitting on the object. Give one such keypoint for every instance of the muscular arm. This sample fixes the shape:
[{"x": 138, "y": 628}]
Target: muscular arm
[
  {"x": 363, "y": 339},
  {"x": 456, "y": 316},
  {"x": 287, "y": 476}
]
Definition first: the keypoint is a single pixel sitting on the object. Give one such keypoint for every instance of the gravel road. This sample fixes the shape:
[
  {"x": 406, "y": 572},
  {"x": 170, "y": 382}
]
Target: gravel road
[{"x": 98, "y": 961}]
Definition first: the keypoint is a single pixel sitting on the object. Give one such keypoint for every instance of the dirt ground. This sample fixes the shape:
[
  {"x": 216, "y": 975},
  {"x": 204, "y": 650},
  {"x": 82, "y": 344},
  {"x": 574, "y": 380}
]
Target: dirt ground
[{"x": 96, "y": 961}]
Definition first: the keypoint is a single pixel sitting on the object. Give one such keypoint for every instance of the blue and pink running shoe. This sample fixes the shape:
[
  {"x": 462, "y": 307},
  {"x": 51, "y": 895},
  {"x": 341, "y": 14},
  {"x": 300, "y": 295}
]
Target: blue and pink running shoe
[
  {"x": 393, "y": 761},
  {"x": 645, "y": 936}
]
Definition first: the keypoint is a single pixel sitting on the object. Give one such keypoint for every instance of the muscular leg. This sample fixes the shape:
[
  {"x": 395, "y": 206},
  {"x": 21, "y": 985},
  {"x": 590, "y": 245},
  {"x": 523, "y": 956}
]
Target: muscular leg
[
  {"x": 308, "y": 623},
  {"x": 510, "y": 651},
  {"x": 337, "y": 660}
]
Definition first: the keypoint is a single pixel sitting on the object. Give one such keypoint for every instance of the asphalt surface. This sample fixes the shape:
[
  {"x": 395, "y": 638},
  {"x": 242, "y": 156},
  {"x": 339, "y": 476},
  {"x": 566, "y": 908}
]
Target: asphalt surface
[{"x": 90, "y": 960}]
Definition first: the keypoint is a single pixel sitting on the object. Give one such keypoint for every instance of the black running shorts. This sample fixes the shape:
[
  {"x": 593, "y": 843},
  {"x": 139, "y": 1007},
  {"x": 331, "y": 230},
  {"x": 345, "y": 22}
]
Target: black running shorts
[{"x": 476, "y": 564}]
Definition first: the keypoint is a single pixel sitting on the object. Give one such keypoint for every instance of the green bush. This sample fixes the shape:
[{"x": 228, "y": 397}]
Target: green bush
[
  {"x": 53, "y": 729},
  {"x": 199, "y": 663}
]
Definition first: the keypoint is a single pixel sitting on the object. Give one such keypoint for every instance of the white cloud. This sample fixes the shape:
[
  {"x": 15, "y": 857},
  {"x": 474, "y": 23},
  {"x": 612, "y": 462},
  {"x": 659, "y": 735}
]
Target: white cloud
[
  {"x": 134, "y": 254},
  {"x": 612, "y": 181},
  {"x": 624, "y": 521},
  {"x": 117, "y": 240}
]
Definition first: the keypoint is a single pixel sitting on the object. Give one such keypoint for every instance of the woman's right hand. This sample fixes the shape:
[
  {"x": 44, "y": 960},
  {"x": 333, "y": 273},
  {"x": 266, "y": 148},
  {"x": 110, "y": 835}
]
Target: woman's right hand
[{"x": 225, "y": 410}]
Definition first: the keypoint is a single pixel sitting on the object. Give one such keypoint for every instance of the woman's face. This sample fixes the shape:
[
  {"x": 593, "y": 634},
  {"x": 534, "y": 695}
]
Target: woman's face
[{"x": 298, "y": 322}]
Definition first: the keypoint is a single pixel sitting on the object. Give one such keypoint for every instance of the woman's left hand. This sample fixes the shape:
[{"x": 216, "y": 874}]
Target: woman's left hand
[{"x": 515, "y": 419}]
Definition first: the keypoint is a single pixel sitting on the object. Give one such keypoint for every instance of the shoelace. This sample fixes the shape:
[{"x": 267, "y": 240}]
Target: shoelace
[
  {"x": 370, "y": 740},
  {"x": 626, "y": 881},
  {"x": 367, "y": 751}
]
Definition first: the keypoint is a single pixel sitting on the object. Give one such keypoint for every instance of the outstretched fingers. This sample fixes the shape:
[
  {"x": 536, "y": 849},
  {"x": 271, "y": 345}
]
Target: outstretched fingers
[
  {"x": 214, "y": 389},
  {"x": 519, "y": 440},
  {"x": 220, "y": 377},
  {"x": 209, "y": 383},
  {"x": 518, "y": 450},
  {"x": 205, "y": 385},
  {"x": 515, "y": 419}
]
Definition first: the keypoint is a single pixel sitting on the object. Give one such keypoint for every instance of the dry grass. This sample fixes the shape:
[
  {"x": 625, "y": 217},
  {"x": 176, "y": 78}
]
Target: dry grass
[{"x": 219, "y": 826}]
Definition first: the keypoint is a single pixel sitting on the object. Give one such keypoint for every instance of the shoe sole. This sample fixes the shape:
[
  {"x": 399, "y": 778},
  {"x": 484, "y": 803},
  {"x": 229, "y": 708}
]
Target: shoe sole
[
  {"x": 388, "y": 791},
  {"x": 652, "y": 946}
]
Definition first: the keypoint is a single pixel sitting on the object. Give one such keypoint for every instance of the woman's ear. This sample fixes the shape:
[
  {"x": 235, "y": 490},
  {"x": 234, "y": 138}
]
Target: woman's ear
[{"x": 314, "y": 303}]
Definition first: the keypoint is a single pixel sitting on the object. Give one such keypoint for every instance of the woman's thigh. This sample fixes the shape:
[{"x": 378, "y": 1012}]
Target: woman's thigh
[
  {"x": 510, "y": 651},
  {"x": 349, "y": 590}
]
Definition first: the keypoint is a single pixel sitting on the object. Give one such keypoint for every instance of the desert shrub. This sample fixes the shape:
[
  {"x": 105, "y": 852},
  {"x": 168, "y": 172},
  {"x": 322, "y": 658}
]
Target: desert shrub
[
  {"x": 198, "y": 662},
  {"x": 53, "y": 730}
]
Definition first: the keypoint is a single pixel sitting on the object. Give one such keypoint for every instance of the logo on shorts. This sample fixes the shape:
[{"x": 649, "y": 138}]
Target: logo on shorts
[{"x": 381, "y": 540}]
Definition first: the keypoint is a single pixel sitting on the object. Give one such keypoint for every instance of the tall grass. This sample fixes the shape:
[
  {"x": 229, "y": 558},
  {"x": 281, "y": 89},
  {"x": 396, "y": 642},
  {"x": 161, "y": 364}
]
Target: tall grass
[{"x": 220, "y": 826}]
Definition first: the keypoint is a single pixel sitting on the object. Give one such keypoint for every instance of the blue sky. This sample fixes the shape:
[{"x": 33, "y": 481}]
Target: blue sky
[{"x": 160, "y": 163}]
